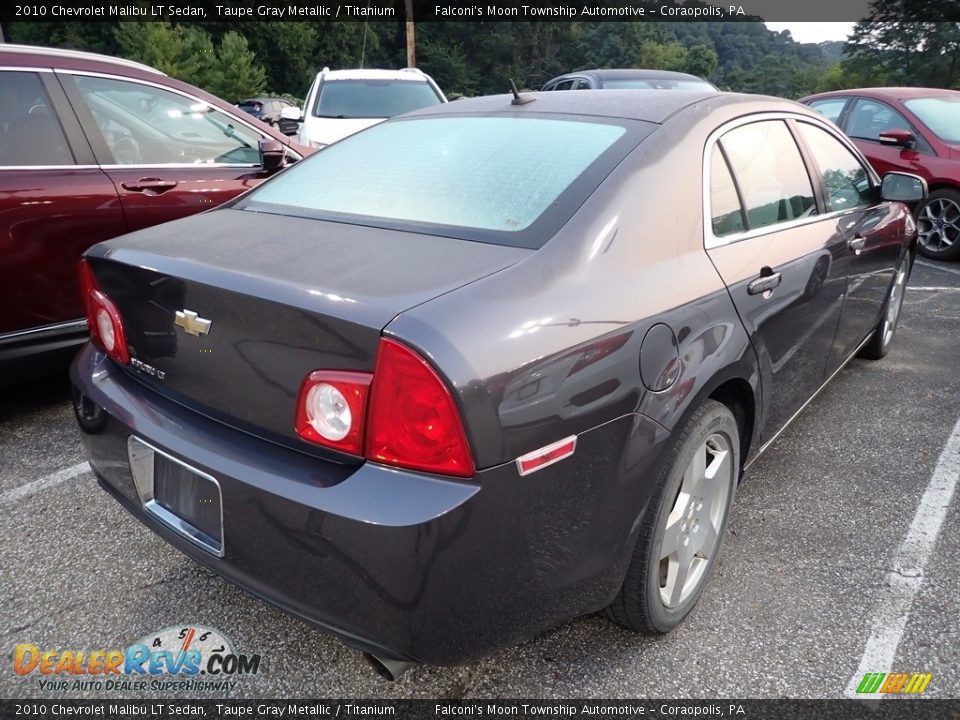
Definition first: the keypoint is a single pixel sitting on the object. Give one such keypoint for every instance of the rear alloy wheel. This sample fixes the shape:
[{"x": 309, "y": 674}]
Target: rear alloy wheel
[
  {"x": 879, "y": 344},
  {"x": 938, "y": 225},
  {"x": 681, "y": 534}
]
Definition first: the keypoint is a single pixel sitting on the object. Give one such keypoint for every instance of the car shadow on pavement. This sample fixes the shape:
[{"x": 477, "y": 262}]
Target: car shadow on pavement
[{"x": 19, "y": 399}]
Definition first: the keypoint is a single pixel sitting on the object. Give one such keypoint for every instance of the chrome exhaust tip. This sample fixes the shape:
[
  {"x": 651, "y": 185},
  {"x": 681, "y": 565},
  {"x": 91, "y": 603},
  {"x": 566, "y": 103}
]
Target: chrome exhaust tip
[{"x": 388, "y": 668}]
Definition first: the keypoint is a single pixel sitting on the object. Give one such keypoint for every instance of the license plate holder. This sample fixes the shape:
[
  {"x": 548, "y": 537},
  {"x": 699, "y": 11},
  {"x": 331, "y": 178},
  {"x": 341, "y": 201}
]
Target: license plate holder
[{"x": 185, "y": 499}]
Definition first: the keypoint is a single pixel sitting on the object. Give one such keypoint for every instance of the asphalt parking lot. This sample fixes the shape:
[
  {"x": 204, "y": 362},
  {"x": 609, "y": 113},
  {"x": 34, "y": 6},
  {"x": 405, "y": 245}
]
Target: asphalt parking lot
[{"x": 842, "y": 556}]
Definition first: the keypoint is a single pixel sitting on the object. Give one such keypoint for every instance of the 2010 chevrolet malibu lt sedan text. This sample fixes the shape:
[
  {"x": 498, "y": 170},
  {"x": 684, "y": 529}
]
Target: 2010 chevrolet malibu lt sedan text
[{"x": 492, "y": 365}]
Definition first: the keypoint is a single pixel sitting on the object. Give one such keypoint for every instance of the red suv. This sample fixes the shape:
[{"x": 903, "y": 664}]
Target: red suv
[
  {"x": 92, "y": 147},
  {"x": 916, "y": 130}
]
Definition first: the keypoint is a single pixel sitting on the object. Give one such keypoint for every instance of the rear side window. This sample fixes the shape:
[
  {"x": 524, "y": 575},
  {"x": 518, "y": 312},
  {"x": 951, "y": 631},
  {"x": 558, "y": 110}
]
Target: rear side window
[
  {"x": 462, "y": 176},
  {"x": 372, "y": 98},
  {"x": 845, "y": 180},
  {"x": 770, "y": 172},
  {"x": 830, "y": 108},
  {"x": 30, "y": 133},
  {"x": 726, "y": 212}
]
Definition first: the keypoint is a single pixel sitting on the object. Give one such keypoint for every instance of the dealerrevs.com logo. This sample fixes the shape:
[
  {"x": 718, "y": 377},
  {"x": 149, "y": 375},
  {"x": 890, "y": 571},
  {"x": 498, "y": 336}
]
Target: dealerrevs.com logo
[{"x": 180, "y": 658}]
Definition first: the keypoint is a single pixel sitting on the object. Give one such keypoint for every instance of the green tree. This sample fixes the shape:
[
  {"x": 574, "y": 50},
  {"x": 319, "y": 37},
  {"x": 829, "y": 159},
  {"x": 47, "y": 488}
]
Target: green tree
[
  {"x": 182, "y": 52},
  {"x": 702, "y": 60},
  {"x": 287, "y": 50},
  {"x": 237, "y": 73},
  {"x": 889, "y": 47},
  {"x": 662, "y": 55}
]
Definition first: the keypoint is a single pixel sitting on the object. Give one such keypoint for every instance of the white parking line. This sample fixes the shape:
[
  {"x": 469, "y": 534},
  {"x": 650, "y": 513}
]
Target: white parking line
[
  {"x": 935, "y": 266},
  {"x": 906, "y": 575},
  {"x": 32, "y": 488},
  {"x": 932, "y": 287}
]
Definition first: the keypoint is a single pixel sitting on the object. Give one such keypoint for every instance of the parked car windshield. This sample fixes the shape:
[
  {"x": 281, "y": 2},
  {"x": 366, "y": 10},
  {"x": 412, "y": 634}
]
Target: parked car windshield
[
  {"x": 372, "y": 98},
  {"x": 657, "y": 84},
  {"x": 501, "y": 179},
  {"x": 940, "y": 114}
]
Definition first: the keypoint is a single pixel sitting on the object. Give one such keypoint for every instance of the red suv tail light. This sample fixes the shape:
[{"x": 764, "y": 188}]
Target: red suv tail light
[
  {"x": 103, "y": 318},
  {"x": 414, "y": 422},
  {"x": 402, "y": 415}
]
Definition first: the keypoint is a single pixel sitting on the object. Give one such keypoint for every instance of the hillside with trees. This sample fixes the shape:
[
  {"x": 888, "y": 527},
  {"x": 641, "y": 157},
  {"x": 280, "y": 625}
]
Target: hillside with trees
[{"x": 239, "y": 59}]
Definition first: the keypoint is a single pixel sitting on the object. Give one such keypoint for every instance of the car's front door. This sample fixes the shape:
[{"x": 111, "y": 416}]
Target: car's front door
[
  {"x": 777, "y": 257},
  {"x": 54, "y": 203},
  {"x": 872, "y": 229},
  {"x": 867, "y": 119},
  {"x": 168, "y": 154}
]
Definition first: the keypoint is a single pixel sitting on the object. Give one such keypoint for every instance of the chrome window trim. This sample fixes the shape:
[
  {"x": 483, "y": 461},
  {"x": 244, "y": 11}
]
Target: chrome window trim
[
  {"x": 19, "y": 49},
  {"x": 711, "y": 241},
  {"x": 48, "y": 167},
  {"x": 192, "y": 166},
  {"x": 24, "y": 68}
]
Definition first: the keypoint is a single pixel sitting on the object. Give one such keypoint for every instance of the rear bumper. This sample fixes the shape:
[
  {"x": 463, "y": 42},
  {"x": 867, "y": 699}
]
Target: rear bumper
[{"x": 400, "y": 564}]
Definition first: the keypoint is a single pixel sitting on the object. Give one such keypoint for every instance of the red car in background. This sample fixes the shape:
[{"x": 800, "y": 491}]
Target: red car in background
[
  {"x": 92, "y": 147},
  {"x": 914, "y": 130}
]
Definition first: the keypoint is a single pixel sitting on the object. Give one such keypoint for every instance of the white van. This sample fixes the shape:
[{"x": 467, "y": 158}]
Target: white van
[{"x": 342, "y": 102}]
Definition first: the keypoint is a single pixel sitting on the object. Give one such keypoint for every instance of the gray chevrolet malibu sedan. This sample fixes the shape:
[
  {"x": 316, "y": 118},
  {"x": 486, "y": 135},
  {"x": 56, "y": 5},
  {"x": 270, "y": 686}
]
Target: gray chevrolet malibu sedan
[{"x": 492, "y": 365}]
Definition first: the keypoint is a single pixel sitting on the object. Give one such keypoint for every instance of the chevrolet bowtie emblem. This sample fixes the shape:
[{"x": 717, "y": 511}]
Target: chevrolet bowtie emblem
[{"x": 192, "y": 323}]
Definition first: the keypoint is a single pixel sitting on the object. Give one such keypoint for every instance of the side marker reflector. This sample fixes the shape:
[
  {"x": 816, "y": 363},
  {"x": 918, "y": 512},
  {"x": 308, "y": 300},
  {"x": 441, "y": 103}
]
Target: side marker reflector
[{"x": 548, "y": 455}]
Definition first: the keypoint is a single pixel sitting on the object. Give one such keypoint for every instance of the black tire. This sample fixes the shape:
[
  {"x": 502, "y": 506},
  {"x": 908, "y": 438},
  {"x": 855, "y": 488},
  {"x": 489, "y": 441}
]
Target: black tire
[
  {"x": 639, "y": 605},
  {"x": 881, "y": 341},
  {"x": 945, "y": 204}
]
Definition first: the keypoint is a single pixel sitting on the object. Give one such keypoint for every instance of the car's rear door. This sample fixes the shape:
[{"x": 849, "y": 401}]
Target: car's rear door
[
  {"x": 777, "y": 256},
  {"x": 54, "y": 203},
  {"x": 169, "y": 154},
  {"x": 871, "y": 227}
]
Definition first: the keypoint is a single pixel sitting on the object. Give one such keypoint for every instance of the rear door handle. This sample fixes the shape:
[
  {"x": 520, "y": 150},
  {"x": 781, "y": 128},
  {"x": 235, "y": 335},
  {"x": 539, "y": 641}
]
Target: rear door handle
[
  {"x": 154, "y": 185},
  {"x": 763, "y": 283},
  {"x": 856, "y": 244}
]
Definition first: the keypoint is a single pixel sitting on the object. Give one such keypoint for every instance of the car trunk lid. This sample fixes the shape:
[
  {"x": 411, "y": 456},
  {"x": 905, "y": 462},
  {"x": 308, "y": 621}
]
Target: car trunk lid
[{"x": 227, "y": 312}]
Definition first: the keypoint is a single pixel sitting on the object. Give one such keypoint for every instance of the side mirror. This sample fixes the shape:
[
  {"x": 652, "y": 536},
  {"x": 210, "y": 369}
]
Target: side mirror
[
  {"x": 897, "y": 138},
  {"x": 271, "y": 154},
  {"x": 903, "y": 187},
  {"x": 290, "y": 119}
]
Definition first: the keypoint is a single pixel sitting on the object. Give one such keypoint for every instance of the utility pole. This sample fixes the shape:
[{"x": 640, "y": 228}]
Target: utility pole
[{"x": 411, "y": 36}]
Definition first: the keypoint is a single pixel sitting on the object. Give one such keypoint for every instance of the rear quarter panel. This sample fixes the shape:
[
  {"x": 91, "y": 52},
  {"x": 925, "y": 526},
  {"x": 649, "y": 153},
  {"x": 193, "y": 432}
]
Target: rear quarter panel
[{"x": 630, "y": 258}]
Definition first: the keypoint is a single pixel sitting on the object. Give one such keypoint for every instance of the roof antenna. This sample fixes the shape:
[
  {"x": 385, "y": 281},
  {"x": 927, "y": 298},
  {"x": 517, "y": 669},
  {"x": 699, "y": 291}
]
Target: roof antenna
[{"x": 519, "y": 99}]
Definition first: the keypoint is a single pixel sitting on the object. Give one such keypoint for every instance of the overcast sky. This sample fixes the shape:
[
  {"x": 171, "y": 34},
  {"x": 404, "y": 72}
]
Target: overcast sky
[{"x": 814, "y": 32}]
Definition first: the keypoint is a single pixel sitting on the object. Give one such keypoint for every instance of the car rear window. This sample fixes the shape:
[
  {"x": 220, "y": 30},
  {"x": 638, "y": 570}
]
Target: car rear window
[
  {"x": 508, "y": 180},
  {"x": 658, "y": 84},
  {"x": 940, "y": 114},
  {"x": 373, "y": 98}
]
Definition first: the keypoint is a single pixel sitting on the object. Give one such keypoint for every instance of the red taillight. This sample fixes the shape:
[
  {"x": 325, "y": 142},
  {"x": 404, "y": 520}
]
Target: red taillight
[
  {"x": 413, "y": 420},
  {"x": 402, "y": 415},
  {"x": 103, "y": 318},
  {"x": 331, "y": 409}
]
